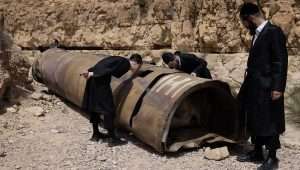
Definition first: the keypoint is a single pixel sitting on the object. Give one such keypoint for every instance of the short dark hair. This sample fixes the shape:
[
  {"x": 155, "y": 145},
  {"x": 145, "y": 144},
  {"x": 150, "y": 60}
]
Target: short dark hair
[
  {"x": 167, "y": 57},
  {"x": 177, "y": 52},
  {"x": 136, "y": 58},
  {"x": 248, "y": 9}
]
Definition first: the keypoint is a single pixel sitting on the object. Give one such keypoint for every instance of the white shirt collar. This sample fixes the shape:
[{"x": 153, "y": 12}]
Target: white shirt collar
[
  {"x": 178, "y": 59},
  {"x": 261, "y": 27}
]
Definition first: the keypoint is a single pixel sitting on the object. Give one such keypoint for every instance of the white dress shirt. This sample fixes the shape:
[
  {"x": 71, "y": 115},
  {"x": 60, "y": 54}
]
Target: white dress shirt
[
  {"x": 259, "y": 30},
  {"x": 178, "y": 59}
]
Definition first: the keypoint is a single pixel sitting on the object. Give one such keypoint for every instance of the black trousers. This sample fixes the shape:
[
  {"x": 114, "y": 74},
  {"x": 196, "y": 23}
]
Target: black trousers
[
  {"x": 108, "y": 120},
  {"x": 272, "y": 143}
]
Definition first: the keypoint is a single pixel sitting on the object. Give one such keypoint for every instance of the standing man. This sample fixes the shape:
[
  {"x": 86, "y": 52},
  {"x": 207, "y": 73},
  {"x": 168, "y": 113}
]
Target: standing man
[
  {"x": 262, "y": 92},
  {"x": 98, "y": 97},
  {"x": 187, "y": 63}
]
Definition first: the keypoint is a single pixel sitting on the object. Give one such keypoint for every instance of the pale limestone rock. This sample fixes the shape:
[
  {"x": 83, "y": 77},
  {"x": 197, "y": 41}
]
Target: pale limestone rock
[
  {"x": 36, "y": 96},
  {"x": 220, "y": 72},
  {"x": 285, "y": 21},
  {"x": 11, "y": 110},
  {"x": 35, "y": 110},
  {"x": 156, "y": 32},
  {"x": 274, "y": 8},
  {"x": 187, "y": 28},
  {"x": 4, "y": 82},
  {"x": 148, "y": 59},
  {"x": 46, "y": 97},
  {"x": 216, "y": 154},
  {"x": 205, "y": 26},
  {"x": 55, "y": 131}
]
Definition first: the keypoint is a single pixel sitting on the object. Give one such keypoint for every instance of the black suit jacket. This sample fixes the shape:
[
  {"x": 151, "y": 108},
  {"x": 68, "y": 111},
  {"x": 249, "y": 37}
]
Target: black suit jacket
[
  {"x": 190, "y": 63},
  {"x": 266, "y": 72},
  {"x": 268, "y": 58},
  {"x": 113, "y": 65},
  {"x": 98, "y": 95}
]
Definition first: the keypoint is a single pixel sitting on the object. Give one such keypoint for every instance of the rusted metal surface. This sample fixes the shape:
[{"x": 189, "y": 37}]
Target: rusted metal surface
[{"x": 164, "y": 108}]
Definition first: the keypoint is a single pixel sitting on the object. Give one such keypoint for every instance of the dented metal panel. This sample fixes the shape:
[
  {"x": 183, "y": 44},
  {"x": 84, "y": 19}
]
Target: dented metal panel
[
  {"x": 159, "y": 106},
  {"x": 164, "y": 108}
]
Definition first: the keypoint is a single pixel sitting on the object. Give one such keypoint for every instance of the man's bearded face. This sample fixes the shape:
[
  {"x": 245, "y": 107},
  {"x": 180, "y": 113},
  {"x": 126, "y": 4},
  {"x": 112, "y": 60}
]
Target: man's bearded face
[{"x": 249, "y": 25}]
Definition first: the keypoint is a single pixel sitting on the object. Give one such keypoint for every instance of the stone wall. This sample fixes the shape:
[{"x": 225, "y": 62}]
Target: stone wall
[{"x": 191, "y": 25}]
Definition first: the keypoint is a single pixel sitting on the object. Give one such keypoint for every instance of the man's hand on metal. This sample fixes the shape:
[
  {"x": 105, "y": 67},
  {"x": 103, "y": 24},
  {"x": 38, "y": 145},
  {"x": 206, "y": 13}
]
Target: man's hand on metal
[
  {"x": 87, "y": 75},
  {"x": 193, "y": 74},
  {"x": 276, "y": 95}
]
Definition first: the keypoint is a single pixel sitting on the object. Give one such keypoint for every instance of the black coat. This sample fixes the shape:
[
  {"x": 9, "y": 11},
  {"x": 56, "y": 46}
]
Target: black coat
[
  {"x": 190, "y": 63},
  {"x": 266, "y": 72},
  {"x": 98, "y": 93}
]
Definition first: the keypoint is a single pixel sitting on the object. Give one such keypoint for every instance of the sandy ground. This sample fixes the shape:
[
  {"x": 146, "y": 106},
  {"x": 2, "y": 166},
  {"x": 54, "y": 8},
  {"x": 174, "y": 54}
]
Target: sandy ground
[{"x": 59, "y": 140}]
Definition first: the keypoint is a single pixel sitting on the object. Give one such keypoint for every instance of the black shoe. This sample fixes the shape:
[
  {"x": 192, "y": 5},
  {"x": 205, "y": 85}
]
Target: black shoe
[
  {"x": 116, "y": 142},
  {"x": 252, "y": 156},
  {"x": 97, "y": 136},
  {"x": 269, "y": 164}
]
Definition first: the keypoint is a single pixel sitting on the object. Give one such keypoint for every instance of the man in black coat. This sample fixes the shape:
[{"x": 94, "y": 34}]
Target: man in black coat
[
  {"x": 262, "y": 92},
  {"x": 98, "y": 97},
  {"x": 187, "y": 63}
]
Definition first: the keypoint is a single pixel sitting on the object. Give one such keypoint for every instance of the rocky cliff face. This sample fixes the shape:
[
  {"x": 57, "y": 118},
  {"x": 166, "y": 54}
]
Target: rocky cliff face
[
  {"x": 14, "y": 67},
  {"x": 192, "y": 25}
]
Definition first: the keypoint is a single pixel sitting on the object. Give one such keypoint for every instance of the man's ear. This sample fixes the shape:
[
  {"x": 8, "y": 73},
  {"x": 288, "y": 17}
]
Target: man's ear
[
  {"x": 140, "y": 66},
  {"x": 252, "y": 18}
]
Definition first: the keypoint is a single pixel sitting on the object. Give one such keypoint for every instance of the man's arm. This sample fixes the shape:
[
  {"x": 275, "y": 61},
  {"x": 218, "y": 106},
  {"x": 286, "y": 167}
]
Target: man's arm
[
  {"x": 87, "y": 74},
  {"x": 279, "y": 62},
  {"x": 99, "y": 70},
  {"x": 201, "y": 70},
  {"x": 198, "y": 70}
]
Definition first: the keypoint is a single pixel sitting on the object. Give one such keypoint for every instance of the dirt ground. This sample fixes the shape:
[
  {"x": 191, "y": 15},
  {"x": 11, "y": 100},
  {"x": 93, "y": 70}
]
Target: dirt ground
[{"x": 58, "y": 139}]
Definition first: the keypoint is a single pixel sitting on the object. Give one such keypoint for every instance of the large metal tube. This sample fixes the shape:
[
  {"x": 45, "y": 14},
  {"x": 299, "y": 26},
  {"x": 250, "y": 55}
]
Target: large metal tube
[{"x": 164, "y": 108}]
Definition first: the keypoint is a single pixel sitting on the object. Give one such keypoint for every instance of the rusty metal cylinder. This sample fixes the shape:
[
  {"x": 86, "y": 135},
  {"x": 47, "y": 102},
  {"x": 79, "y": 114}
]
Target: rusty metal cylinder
[{"x": 164, "y": 108}]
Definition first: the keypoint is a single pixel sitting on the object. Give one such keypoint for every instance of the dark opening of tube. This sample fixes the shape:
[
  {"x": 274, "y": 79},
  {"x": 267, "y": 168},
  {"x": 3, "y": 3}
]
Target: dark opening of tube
[{"x": 211, "y": 109}]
